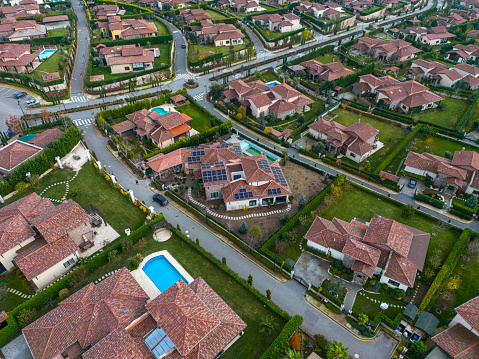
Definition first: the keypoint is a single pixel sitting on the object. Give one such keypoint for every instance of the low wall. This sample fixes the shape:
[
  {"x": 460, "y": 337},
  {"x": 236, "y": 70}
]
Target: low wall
[{"x": 373, "y": 16}]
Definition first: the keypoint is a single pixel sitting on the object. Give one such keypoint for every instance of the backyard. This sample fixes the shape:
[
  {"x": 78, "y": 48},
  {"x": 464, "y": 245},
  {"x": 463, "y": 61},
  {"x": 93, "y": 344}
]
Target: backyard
[
  {"x": 200, "y": 122},
  {"x": 162, "y": 29},
  {"x": 196, "y": 50},
  {"x": 215, "y": 15},
  {"x": 389, "y": 134},
  {"x": 364, "y": 304},
  {"x": 58, "y": 32},
  {"x": 447, "y": 118},
  {"x": 13, "y": 280},
  {"x": 361, "y": 204},
  {"x": 50, "y": 65}
]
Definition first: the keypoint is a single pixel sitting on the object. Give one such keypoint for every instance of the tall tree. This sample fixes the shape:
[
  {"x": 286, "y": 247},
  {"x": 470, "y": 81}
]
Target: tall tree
[{"x": 336, "y": 350}]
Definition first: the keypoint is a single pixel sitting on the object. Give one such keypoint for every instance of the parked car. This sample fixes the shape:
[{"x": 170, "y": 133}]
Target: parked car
[
  {"x": 183, "y": 46},
  {"x": 20, "y": 95},
  {"x": 162, "y": 201},
  {"x": 33, "y": 102},
  {"x": 412, "y": 183}
]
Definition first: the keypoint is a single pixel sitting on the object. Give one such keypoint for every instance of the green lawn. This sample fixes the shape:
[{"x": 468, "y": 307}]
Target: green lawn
[
  {"x": 215, "y": 15},
  {"x": 93, "y": 188},
  {"x": 325, "y": 59},
  {"x": 271, "y": 35},
  {"x": 370, "y": 308},
  {"x": 420, "y": 144},
  {"x": 50, "y": 65},
  {"x": 200, "y": 123},
  {"x": 265, "y": 76},
  {"x": 58, "y": 32},
  {"x": 162, "y": 29},
  {"x": 447, "y": 118},
  {"x": 389, "y": 134},
  {"x": 11, "y": 300},
  {"x": 252, "y": 344},
  {"x": 196, "y": 50},
  {"x": 357, "y": 203}
]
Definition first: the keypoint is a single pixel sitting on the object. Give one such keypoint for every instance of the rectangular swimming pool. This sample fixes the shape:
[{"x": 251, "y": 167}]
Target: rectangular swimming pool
[
  {"x": 255, "y": 151},
  {"x": 46, "y": 54},
  {"x": 162, "y": 273}
]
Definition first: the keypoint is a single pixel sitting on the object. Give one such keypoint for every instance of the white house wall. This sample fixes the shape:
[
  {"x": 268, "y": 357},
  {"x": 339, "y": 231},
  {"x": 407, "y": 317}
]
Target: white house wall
[
  {"x": 385, "y": 280},
  {"x": 458, "y": 319},
  {"x": 55, "y": 272},
  {"x": 419, "y": 172},
  {"x": 7, "y": 257}
]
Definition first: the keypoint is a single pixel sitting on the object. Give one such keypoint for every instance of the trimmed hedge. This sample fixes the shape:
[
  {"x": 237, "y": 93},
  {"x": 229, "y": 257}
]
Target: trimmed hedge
[
  {"x": 381, "y": 317},
  {"x": 429, "y": 200},
  {"x": 277, "y": 39},
  {"x": 394, "y": 153},
  {"x": 294, "y": 222},
  {"x": 333, "y": 308},
  {"x": 460, "y": 214},
  {"x": 459, "y": 205},
  {"x": 446, "y": 270},
  {"x": 280, "y": 344}
]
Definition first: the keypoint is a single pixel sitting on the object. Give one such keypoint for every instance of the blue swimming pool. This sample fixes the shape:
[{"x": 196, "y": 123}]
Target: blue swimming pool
[
  {"x": 255, "y": 151},
  {"x": 162, "y": 273},
  {"x": 273, "y": 83},
  {"x": 46, "y": 54},
  {"x": 160, "y": 110}
]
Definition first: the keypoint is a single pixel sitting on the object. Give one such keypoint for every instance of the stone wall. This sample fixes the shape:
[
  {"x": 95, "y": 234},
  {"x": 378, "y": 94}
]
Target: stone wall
[{"x": 373, "y": 16}]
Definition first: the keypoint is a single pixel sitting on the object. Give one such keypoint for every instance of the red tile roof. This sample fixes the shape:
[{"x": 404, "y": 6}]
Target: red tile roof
[
  {"x": 466, "y": 159},
  {"x": 49, "y": 19},
  {"x": 123, "y": 126},
  {"x": 14, "y": 230},
  {"x": 3, "y": 316},
  {"x": 458, "y": 342},
  {"x": 16, "y": 153},
  {"x": 162, "y": 161},
  {"x": 46, "y": 137},
  {"x": 362, "y": 252},
  {"x": 116, "y": 345},
  {"x": 401, "y": 270},
  {"x": 470, "y": 312},
  {"x": 51, "y": 77}
]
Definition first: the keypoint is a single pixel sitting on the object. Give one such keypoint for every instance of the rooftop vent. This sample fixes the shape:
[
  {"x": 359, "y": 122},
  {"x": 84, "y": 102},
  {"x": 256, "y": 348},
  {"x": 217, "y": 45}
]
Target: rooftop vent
[
  {"x": 404, "y": 264},
  {"x": 126, "y": 311}
]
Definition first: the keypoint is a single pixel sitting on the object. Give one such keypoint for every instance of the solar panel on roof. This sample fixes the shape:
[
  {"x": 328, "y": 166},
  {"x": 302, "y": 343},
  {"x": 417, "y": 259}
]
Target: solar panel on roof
[
  {"x": 193, "y": 159},
  {"x": 279, "y": 177},
  {"x": 198, "y": 153},
  {"x": 237, "y": 150},
  {"x": 214, "y": 175},
  {"x": 264, "y": 165},
  {"x": 243, "y": 195},
  {"x": 274, "y": 191}
]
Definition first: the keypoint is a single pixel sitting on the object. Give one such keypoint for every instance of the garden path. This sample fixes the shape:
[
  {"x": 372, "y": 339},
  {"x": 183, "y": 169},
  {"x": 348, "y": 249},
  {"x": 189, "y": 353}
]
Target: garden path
[{"x": 67, "y": 183}]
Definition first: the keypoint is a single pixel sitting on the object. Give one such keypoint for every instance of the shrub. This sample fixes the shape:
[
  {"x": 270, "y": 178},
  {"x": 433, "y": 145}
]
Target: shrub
[
  {"x": 243, "y": 228},
  {"x": 280, "y": 344},
  {"x": 302, "y": 201},
  {"x": 250, "y": 280},
  {"x": 333, "y": 308},
  {"x": 283, "y": 216},
  {"x": 295, "y": 341},
  {"x": 133, "y": 264},
  {"x": 321, "y": 345},
  {"x": 408, "y": 210},
  {"x": 429, "y": 200},
  {"x": 63, "y": 293},
  {"x": 26, "y": 316}
]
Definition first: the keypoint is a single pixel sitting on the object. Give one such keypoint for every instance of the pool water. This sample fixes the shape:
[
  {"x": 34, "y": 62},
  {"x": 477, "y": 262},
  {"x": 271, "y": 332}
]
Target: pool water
[
  {"x": 273, "y": 83},
  {"x": 255, "y": 151},
  {"x": 162, "y": 273},
  {"x": 46, "y": 54},
  {"x": 160, "y": 110}
]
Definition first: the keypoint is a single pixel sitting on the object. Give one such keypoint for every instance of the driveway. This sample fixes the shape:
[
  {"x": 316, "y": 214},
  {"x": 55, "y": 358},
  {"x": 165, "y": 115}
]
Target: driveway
[
  {"x": 403, "y": 183},
  {"x": 17, "y": 349}
]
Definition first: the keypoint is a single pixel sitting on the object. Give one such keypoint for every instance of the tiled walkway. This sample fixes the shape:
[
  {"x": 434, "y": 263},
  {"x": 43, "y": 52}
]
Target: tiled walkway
[
  {"x": 379, "y": 301},
  {"x": 17, "y": 292},
  {"x": 64, "y": 197},
  {"x": 190, "y": 198}
]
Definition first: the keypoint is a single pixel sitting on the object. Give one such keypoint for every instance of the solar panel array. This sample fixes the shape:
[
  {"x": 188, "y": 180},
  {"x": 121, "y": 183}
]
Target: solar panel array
[
  {"x": 196, "y": 155},
  {"x": 279, "y": 177},
  {"x": 243, "y": 194},
  {"x": 214, "y": 176},
  {"x": 212, "y": 165},
  {"x": 274, "y": 191},
  {"x": 224, "y": 146},
  {"x": 237, "y": 150},
  {"x": 264, "y": 165},
  {"x": 158, "y": 342}
]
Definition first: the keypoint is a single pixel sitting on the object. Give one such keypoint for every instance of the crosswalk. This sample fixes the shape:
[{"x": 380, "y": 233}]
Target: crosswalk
[
  {"x": 184, "y": 76},
  {"x": 199, "y": 97},
  {"x": 83, "y": 122},
  {"x": 80, "y": 98},
  {"x": 123, "y": 97}
]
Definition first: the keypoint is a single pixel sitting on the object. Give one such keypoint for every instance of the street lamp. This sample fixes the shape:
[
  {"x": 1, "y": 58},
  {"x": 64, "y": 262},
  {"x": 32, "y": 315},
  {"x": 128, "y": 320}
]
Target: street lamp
[{"x": 19, "y": 105}]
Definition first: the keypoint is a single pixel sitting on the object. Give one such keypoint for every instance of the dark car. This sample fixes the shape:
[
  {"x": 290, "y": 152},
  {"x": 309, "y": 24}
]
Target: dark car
[
  {"x": 162, "y": 201},
  {"x": 20, "y": 95},
  {"x": 412, "y": 183},
  {"x": 183, "y": 46}
]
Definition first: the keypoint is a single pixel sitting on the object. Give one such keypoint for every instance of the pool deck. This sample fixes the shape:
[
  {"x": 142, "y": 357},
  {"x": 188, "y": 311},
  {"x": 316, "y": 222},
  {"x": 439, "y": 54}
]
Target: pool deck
[{"x": 148, "y": 286}]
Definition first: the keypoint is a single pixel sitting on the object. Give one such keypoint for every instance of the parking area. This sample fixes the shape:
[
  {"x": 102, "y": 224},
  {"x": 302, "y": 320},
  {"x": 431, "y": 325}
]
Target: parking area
[
  {"x": 11, "y": 105},
  {"x": 405, "y": 189},
  {"x": 311, "y": 268}
]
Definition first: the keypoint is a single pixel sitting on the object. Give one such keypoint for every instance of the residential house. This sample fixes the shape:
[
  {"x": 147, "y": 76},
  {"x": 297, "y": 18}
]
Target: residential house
[
  {"x": 325, "y": 72},
  {"x": 116, "y": 318},
  {"x": 227, "y": 38},
  {"x": 443, "y": 75},
  {"x": 459, "y": 174},
  {"x": 17, "y": 58},
  {"x": 104, "y": 11},
  {"x": 244, "y": 6},
  {"x": 357, "y": 141},
  {"x": 20, "y": 11},
  {"x": 435, "y": 36},
  {"x": 127, "y": 29},
  {"x": 328, "y": 10},
  {"x": 16, "y": 153},
  {"x": 206, "y": 32},
  {"x": 163, "y": 130},
  {"x": 240, "y": 181},
  {"x": 461, "y": 339},
  {"x": 46, "y": 137},
  {"x": 469, "y": 14},
  {"x": 279, "y": 23},
  {"x": 151, "y": 4},
  {"x": 41, "y": 239},
  {"x": 21, "y": 30},
  {"x": 361, "y": 5},
  {"x": 463, "y": 53},
  {"x": 124, "y": 59},
  {"x": 450, "y": 20},
  {"x": 56, "y": 22},
  {"x": 407, "y": 95},
  {"x": 194, "y": 15},
  {"x": 180, "y": 4},
  {"x": 395, "y": 50},
  {"x": 472, "y": 35},
  {"x": 381, "y": 246}
]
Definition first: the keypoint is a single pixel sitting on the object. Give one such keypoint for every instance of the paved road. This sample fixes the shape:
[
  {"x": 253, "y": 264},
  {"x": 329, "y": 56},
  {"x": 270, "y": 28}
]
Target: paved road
[{"x": 83, "y": 49}]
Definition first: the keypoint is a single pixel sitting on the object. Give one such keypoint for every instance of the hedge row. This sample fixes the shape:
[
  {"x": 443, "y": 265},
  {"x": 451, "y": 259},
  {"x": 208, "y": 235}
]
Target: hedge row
[
  {"x": 41, "y": 163},
  {"x": 429, "y": 200},
  {"x": 446, "y": 269},
  {"x": 279, "y": 38},
  {"x": 206, "y": 59},
  {"x": 459, "y": 205},
  {"x": 371, "y": 11},
  {"x": 381, "y": 317},
  {"x": 275, "y": 11},
  {"x": 281, "y": 343},
  {"x": 294, "y": 222},
  {"x": 468, "y": 116},
  {"x": 460, "y": 214},
  {"x": 27, "y": 78},
  {"x": 394, "y": 153}
]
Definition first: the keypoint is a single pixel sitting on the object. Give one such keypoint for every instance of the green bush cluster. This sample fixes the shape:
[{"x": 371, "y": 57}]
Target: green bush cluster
[
  {"x": 313, "y": 54},
  {"x": 346, "y": 81},
  {"x": 394, "y": 153},
  {"x": 460, "y": 214},
  {"x": 381, "y": 317},
  {"x": 277, "y": 39},
  {"x": 429, "y": 200},
  {"x": 280, "y": 344},
  {"x": 42, "y": 162},
  {"x": 374, "y": 9},
  {"x": 333, "y": 308},
  {"x": 446, "y": 269},
  {"x": 459, "y": 205},
  {"x": 393, "y": 116}
]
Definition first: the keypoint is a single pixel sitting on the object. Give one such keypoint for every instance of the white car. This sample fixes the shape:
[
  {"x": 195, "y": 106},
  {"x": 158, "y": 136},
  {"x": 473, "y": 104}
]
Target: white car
[{"x": 33, "y": 102}]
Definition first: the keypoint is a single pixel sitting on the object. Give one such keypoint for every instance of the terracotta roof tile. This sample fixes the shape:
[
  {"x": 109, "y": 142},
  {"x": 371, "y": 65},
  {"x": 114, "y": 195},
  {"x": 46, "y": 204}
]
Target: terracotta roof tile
[
  {"x": 470, "y": 312},
  {"x": 362, "y": 252},
  {"x": 458, "y": 342},
  {"x": 16, "y": 153},
  {"x": 466, "y": 159},
  {"x": 123, "y": 126},
  {"x": 401, "y": 270},
  {"x": 384, "y": 231},
  {"x": 46, "y": 137}
]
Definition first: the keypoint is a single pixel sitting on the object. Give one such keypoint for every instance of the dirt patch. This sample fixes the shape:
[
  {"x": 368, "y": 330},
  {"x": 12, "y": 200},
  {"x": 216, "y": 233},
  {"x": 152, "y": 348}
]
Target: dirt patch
[{"x": 301, "y": 181}]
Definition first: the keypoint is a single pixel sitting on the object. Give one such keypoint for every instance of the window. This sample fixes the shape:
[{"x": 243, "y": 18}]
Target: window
[
  {"x": 158, "y": 342},
  {"x": 68, "y": 263},
  {"x": 127, "y": 68},
  {"x": 235, "y": 177},
  {"x": 252, "y": 203},
  {"x": 352, "y": 155},
  {"x": 138, "y": 66},
  {"x": 394, "y": 283},
  {"x": 292, "y": 112},
  {"x": 214, "y": 195}
]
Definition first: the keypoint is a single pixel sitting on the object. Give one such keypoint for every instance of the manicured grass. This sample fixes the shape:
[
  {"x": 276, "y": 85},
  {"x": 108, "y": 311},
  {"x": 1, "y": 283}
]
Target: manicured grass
[
  {"x": 274, "y": 34},
  {"x": 370, "y": 308},
  {"x": 11, "y": 300},
  {"x": 447, "y": 118},
  {"x": 357, "y": 203},
  {"x": 268, "y": 8},
  {"x": 196, "y": 50},
  {"x": 50, "y": 65},
  {"x": 388, "y": 134},
  {"x": 200, "y": 123},
  {"x": 325, "y": 59},
  {"x": 252, "y": 344},
  {"x": 215, "y": 15},
  {"x": 162, "y": 29},
  {"x": 57, "y": 32},
  {"x": 266, "y": 76}
]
